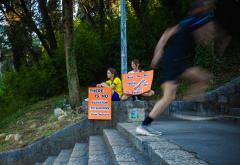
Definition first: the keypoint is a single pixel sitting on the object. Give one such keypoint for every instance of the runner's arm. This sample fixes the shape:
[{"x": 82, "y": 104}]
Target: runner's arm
[{"x": 161, "y": 43}]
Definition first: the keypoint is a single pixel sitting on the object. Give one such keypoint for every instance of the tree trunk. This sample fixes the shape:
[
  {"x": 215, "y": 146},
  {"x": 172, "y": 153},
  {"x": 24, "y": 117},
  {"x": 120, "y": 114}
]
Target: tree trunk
[
  {"x": 48, "y": 24},
  {"x": 71, "y": 65}
]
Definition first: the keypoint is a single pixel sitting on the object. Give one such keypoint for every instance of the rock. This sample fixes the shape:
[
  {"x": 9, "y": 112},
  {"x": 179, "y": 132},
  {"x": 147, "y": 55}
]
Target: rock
[
  {"x": 20, "y": 122},
  {"x": 2, "y": 135},
  {"x": 61, "y": 118},
  {"x": 59, "y": 112},
  {"x": 55, "y": 125},
  {"x": 69, "y": 120},
  {"x": 34, "y": 125},
  {"x": 78, "y": 108},
  {"x": 42, "y": 128},
  {"x": 17, "y": 137},
  {"x": 69, "y": 108},
  {"x": 9, "y": 137}
]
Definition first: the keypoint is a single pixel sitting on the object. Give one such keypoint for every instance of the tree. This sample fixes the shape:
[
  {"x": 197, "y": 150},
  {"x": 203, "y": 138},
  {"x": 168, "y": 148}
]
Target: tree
[
  {"x": 18, "y": 34},
  {"x": 48, "y": 24},
  {"x": 71, "y": 65},
  {"x": 140, "y": 8},
  {"x": 22, "y": 21}
]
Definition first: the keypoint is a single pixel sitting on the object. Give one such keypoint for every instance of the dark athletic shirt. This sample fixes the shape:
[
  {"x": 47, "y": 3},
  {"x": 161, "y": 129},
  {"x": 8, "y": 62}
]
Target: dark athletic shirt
[{"x": 182, "y": 43}]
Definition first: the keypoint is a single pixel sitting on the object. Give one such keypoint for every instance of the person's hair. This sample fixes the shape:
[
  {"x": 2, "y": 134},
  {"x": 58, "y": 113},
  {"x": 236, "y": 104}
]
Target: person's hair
[
  {"x": 136, "y": 62},
  {"x": 113, "y": 71}
]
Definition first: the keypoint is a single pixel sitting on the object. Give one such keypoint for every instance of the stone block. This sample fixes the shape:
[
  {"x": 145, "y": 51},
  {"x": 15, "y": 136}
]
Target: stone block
[
  {"x": 222, "y": 99},
  {"x": 63, "y": 157},
  {"x": 237, "y": 87},
  {"x": 211, "y": 97},
  {"x": 136, "y": 114},
  {"x": 49, "y": 160}
]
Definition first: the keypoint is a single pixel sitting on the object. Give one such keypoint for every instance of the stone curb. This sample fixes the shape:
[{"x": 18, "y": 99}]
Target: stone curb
[{"x": 158, "y": 149}]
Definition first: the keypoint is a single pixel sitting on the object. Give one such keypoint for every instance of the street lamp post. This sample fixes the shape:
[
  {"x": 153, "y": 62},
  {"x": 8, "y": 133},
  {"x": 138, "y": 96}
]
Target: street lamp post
[{"x": 123, "y": 38}]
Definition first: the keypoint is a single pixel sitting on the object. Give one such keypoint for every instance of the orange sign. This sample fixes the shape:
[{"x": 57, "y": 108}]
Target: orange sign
[
  {"x": 137, "y": 83},
  {"x": 99, "y": 103}
]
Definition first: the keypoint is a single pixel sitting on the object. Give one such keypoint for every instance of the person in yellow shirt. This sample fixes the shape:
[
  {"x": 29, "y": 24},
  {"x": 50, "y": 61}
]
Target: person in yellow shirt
[{"x": 114, "y": 82}]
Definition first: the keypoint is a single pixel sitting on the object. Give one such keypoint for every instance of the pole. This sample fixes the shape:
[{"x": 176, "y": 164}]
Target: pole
[{"x": 123, "y": 38}]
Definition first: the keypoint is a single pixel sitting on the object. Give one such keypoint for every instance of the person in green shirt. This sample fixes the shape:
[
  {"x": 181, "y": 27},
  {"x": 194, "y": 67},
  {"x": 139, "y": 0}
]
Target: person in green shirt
[{"x": 114, "y": 82}]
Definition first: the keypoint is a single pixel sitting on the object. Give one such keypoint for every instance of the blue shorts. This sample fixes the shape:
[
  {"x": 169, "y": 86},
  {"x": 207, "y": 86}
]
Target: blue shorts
[{"x": 115, "y": 97}]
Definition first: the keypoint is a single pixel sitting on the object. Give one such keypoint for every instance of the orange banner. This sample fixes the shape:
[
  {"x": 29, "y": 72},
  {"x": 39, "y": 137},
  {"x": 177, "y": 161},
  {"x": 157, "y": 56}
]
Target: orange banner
[
  {"x": 137, "y": 83},
  {"x": 99, "y": 103}
]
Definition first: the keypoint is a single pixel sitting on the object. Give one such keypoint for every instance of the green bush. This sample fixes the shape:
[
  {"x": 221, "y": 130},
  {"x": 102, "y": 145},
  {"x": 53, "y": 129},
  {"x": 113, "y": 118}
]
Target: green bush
[
  {"x": 30, "y": 84},
  {"x": 89, "y": 54},
  {"x": 204, "y": 56}
]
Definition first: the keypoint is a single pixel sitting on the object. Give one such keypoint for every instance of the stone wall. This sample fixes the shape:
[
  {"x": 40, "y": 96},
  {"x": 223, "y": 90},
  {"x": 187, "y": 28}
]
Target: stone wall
[
  {"x": 218, "y": 101},
  {"x": 225, "y": 97}
]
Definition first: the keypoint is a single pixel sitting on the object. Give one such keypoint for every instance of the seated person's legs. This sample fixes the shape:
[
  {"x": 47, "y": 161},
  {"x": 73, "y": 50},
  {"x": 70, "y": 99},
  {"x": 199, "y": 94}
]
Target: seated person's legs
[
  {"x": 148, "y": 93},
  {"x": 138, "y": 97},
  {"x": 115, "y": 96},
  {"x": 125, "y": 96}
]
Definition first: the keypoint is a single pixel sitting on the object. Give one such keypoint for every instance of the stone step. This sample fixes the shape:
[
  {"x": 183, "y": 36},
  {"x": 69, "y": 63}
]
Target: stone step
[
  {"x": 98, "y": 153},
  {"x": 158, "y": 149},
  {"x": 38, "y": 163},
  {"x": 121, "y": 150},
  {"x": 195, "y": 117},
  {"x": 235, "y": 111},
  {"x": 49, "y": 160},
  {"x": 79, "y": 154},
  {"x": 200, "y": 118},
  {"x": 63, "y": 157},
  {"x": 190, "y": 108}
]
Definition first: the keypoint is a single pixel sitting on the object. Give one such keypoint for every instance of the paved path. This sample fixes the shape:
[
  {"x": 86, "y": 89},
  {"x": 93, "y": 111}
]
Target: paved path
[{"x": 216, "y": 142}]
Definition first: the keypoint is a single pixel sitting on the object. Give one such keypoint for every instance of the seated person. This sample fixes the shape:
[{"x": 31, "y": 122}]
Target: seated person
[
  {"x": 114, "y": 82},
  {"x": 136, "y": 68}
]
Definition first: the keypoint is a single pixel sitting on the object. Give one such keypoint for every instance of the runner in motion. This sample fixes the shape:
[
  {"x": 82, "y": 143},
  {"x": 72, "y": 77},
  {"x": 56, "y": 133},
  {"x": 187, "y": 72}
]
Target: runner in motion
[{"x": 173, "y": 49}]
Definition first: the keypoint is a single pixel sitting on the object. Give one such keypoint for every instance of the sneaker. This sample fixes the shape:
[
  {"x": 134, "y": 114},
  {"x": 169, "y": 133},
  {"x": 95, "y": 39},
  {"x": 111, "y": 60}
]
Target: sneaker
[
  {"x": 86, "y": 99},
  {"x": 146, "y": 131},
  {"x": 152, "y": 130}
]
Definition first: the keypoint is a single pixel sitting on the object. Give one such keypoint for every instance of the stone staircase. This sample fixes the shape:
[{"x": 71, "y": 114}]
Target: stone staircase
[
  {"x": 77, "y": 155},
  {"x": 121, "y": 146}
]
